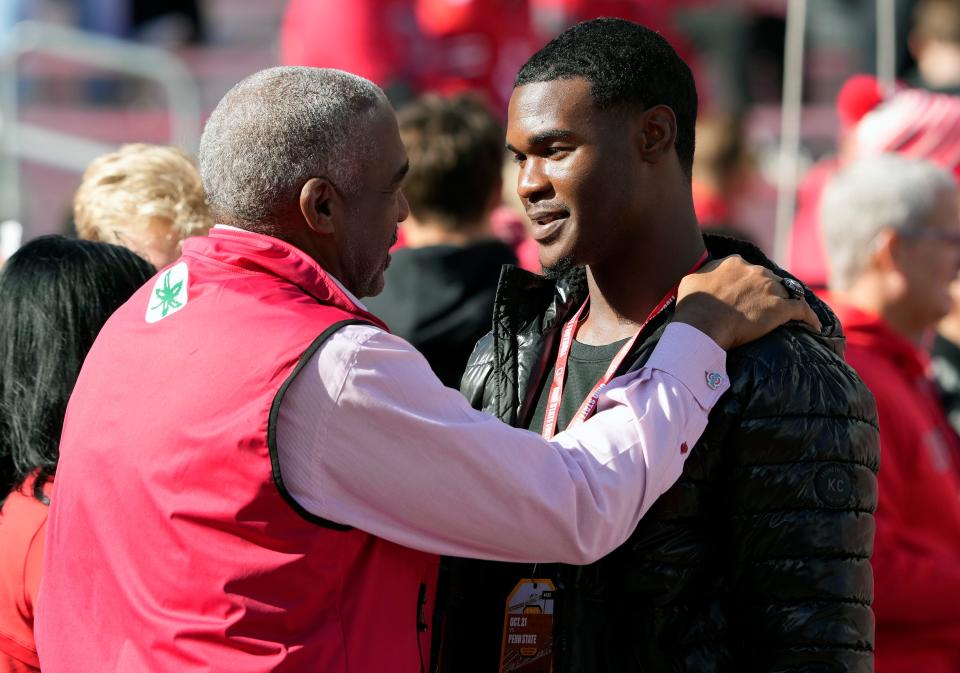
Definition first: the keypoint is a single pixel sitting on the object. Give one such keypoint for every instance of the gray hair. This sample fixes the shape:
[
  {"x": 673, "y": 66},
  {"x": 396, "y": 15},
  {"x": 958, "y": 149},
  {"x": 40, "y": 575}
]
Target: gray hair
[
  {"x": 278, "y": 128},
  {"x": 883, "y": 192}
]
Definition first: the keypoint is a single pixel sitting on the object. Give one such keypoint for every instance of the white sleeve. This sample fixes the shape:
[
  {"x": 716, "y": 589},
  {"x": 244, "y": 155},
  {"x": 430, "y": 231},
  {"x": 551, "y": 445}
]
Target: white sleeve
[{"x": 368, "y": 437}]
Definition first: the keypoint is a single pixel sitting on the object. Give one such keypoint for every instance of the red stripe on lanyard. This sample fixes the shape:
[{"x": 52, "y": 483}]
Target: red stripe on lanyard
[{"x": 589, "y": 405}]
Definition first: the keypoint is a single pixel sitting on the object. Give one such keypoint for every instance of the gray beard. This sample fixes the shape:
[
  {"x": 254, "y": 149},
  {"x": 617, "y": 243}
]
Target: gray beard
[{"x": 563, "y": 266}]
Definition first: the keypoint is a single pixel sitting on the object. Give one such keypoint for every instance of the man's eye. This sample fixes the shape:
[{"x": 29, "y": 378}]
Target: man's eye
[
  {"x": 519, "y": 158},
  {"x": 556, "y": 152}
]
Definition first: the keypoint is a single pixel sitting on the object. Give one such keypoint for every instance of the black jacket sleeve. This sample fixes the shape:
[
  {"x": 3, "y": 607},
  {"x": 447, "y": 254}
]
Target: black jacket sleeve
[{"x": 801, "y": 492}]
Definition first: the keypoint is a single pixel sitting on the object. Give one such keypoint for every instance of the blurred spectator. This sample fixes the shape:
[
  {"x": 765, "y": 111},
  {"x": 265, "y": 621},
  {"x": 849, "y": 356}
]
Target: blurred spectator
[
  {"x": 720, "y": 168},
  {"x": 476, "y": 44},
  {"x": 935, "y": 44},
  {"x": 410, "y": 46},
  {"x": 807, "y": 258},
  {"x": 147, "y": 198},
  {"x": 915, "y": 123},
  {"x": 55, "y": 294},
  {"x": 168, "y": 22},
  {"x": 161, "y": 21},
  {"x": 741, "y": 47},
  {"x": 893, "y": 239},
  {"x": 911, "y": 122},
  {"x": 376, "y": 39},
  {"x": 439, "y": 290}
]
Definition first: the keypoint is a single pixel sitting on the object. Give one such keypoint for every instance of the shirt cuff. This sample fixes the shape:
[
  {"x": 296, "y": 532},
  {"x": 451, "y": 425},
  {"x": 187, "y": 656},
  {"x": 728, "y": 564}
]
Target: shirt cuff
[{"x": 694, "y": 359}]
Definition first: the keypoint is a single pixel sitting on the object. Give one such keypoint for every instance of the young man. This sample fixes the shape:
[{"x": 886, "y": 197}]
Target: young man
[
  {"x": 893, "y": 234},
  {"x": 758, "y": 558},
  {"x": 438, "y": 292}
]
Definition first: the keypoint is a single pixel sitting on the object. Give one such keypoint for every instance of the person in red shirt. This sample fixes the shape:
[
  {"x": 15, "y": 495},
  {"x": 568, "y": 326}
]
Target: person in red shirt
[
  {"x": 376, "y": 39},
  {"x": 412, "y": 46},
  {"x": 892, "y": 234},
  {"x": 55, "y": 295},
  {"x": 911, "y": 122}
]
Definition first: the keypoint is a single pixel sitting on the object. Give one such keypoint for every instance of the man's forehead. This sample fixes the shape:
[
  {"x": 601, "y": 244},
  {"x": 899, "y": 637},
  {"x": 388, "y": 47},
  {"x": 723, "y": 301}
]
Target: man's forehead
[{"x": 538, "y": 105}]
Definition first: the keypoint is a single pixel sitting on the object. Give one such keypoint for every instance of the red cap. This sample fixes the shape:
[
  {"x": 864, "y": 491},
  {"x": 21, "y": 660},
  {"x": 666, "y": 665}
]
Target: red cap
[{"x": 858, "y": 96}]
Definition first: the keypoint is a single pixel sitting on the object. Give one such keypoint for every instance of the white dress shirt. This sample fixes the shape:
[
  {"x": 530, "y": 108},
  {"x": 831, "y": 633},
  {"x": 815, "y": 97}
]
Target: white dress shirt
[{"x": 367, "y": 436}]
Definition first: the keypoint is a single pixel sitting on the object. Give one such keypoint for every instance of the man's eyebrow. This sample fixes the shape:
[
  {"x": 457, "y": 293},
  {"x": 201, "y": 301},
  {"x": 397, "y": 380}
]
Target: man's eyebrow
[{"x": 545, "y": 136}]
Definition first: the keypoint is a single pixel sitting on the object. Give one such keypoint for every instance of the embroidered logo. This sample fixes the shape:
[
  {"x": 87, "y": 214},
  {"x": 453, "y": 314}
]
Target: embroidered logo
[
  {"x": 169, "y": 293},
  {"x": 714, "y": 380},
  {"x": 834, "y": 486}
]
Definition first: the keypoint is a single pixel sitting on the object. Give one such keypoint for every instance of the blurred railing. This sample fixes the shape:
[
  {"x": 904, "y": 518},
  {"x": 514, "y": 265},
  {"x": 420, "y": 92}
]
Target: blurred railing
[{"x": 70, "y": 151}]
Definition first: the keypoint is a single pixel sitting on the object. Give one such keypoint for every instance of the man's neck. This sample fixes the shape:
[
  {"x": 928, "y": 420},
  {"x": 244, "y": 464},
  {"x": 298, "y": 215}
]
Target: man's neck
[
  {"x": 624, "y": 291},
  {"x": 868, "y": 295}
]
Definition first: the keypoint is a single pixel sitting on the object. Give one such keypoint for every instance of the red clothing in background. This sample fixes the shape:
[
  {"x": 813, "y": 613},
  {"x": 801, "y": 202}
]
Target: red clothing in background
[
  {"x": 807, "y": 256},
  {"x": 411, "y": 46},
  {"x": 376, "y": 39},
  {"x": 23, "y": 526},
  {"x": 475, "y": 44},
  {"x": 916, "y": 556}
]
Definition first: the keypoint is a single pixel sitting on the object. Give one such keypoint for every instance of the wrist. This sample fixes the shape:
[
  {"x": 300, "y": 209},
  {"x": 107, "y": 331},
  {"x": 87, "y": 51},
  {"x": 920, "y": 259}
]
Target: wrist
[{"x": 710, "y": 323}]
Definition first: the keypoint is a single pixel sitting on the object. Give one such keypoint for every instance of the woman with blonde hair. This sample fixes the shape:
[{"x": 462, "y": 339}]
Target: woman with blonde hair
[{"x": 147, "y": 198}]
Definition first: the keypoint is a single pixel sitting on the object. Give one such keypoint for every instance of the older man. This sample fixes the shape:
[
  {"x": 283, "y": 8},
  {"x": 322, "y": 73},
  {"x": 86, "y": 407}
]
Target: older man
[
  {"x": 893, "y": 239},
  {"x": 255, "y": 475}
]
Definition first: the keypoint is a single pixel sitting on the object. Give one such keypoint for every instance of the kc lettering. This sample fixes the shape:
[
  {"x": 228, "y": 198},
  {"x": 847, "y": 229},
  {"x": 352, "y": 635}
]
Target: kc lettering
[{"x": 836, "y": 485}]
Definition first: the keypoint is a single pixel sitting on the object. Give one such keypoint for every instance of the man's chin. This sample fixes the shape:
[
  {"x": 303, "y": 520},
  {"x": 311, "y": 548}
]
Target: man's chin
[
  {"x": 559, "y": 268},
  {"x": 375, "y": 286}
]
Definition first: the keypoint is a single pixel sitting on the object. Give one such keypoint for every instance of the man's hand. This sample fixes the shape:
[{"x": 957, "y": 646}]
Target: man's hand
[{"x": 734, "y": 302}]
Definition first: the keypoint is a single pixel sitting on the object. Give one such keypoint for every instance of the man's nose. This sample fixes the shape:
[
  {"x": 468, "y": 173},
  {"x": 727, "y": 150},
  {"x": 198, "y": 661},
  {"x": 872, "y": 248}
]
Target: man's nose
[{"x": 532, "y": 183}]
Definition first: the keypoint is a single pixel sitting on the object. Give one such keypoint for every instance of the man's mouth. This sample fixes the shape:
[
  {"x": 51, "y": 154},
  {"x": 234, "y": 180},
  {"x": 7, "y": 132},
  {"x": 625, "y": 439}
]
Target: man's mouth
[{"x": 547, "y": 224}]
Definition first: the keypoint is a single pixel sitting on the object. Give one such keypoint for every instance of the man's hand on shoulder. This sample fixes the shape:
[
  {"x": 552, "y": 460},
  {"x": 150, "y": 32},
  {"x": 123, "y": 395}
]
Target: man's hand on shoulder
[{"x": 734, "y": 302}]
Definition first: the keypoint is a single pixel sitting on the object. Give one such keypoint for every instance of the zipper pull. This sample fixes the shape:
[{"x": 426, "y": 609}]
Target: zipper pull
[{"x": 422, "y": 624}]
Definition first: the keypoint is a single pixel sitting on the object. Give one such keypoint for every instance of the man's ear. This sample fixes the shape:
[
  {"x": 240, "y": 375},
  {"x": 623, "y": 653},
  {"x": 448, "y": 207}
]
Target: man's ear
[
  {"x": 319, "y": 203},
  {"x": 886, "y": 250},
  {"x": 657, "y": 133}
]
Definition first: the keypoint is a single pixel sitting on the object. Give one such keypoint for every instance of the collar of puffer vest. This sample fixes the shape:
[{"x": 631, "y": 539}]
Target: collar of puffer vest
[{"x": 253, "y": 252}]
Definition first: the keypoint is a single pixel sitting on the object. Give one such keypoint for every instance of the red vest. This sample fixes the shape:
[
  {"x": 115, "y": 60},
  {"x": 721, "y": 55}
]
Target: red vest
[{"x": 172, "y": 544}]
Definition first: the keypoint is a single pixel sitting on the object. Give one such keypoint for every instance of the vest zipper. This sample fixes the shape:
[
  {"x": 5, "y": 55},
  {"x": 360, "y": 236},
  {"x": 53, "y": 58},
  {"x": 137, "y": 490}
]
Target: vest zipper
[{"x": 422, "y": 624}]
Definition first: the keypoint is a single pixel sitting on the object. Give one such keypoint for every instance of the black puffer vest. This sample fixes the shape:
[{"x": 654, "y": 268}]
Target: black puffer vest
[{"x": 757, "y": 559}]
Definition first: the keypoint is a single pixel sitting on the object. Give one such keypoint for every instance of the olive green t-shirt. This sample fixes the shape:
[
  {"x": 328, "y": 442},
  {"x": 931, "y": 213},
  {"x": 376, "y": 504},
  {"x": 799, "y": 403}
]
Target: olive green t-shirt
[{"x": 585, "y": 366}]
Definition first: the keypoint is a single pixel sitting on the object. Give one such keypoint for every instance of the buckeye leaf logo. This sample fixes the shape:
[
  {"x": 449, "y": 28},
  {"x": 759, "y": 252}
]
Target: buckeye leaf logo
[{"x": 169, "y": 293}]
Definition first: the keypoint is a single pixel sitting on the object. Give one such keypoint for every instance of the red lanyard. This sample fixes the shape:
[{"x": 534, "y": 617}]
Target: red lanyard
[{"x": 589, "y": 405}]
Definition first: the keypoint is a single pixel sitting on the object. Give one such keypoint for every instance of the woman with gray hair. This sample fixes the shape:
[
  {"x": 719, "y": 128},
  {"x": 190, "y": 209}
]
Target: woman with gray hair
[{"x": 893, "y": 243}]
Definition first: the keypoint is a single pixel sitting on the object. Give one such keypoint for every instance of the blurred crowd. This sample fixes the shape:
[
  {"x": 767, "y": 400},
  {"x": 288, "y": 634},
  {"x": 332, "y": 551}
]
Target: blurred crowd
[{"x": 876, "y": 236}]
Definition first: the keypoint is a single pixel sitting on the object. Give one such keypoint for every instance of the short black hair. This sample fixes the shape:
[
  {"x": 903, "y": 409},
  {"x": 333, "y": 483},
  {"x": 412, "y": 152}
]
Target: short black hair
[
  {"x": 55, "y": 295},
  {"x": 456, "y": 155},
  {"x": 627, "y": 65}
]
